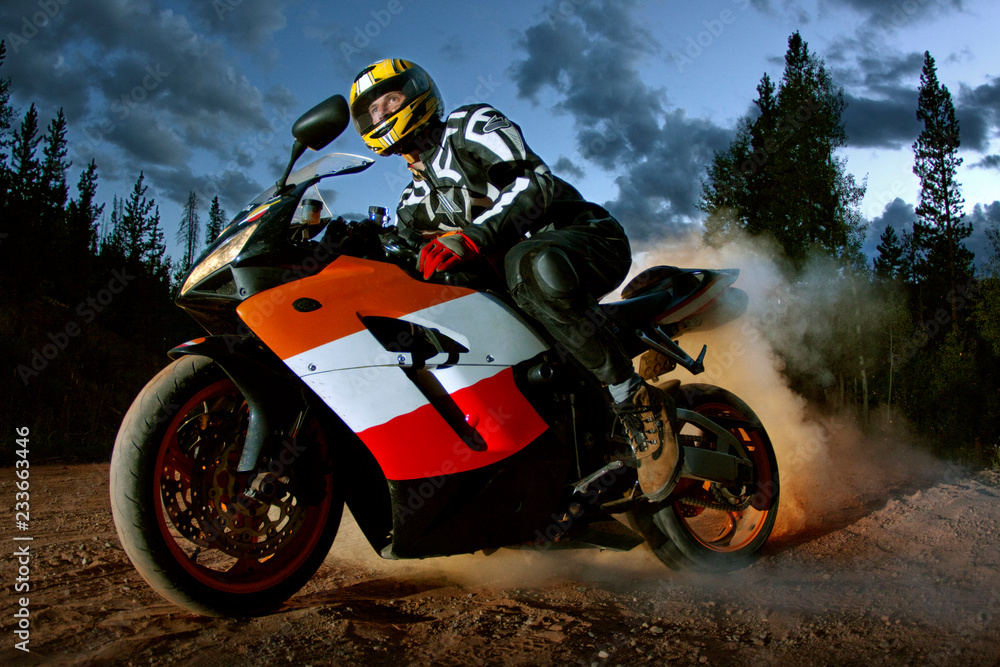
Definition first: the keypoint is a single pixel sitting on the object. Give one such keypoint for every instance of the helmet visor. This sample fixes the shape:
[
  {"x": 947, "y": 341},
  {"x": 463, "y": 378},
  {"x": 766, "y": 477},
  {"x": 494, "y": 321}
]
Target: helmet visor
[{"x": 412, "y": 83}]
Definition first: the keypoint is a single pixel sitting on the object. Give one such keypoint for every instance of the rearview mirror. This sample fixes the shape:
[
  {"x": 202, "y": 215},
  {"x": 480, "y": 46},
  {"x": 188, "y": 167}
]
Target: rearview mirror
[
  {"x": 315, "y": 129},
  {"x": 323, "y": 123}
]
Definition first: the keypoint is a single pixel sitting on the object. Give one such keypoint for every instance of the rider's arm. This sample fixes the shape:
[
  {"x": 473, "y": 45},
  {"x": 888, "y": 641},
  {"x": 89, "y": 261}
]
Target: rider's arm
[{"x": 525, "y": 184}]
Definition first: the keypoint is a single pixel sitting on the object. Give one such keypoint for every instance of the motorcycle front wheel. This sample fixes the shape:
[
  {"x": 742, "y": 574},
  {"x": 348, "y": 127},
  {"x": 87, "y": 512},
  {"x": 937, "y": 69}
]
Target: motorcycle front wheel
[
  {"x": 203, "y": 535},
  {"x": 709, "y": 526}
]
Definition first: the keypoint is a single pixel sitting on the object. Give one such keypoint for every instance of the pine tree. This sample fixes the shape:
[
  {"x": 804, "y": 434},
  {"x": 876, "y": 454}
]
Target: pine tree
[
  {"x": 940, "y": 230},
  {"x": 987, "y": 307},
  {"x": 132, "y": 228},
  {"x": 50, "y": 207},
  {"x": 154, "y": 254},
  {"x": 81, "y": 235},
  {"x": 780, "y": 176},
  {"x": 54, "y": 166},
  {"x": 188, "y": 232},
  {"x": 21, "y": 216},
  {"x": 7, "y": 227},
  {"x": 83, "y": 212},
  {"x": 110, "y": 241},
  {"x": 889, "y": 262},
  {"x": 25, "y": 168},
  {"x": 216, "y": 221},
  {"x": 6, "y": 117}
]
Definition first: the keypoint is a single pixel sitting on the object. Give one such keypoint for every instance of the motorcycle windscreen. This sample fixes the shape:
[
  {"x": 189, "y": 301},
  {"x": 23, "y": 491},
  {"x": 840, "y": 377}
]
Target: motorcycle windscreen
[{"x": 422, "y": 373}]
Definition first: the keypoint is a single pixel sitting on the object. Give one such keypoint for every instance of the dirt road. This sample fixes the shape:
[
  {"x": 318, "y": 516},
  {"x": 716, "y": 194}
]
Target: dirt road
[{"x": 905, "y": 575}]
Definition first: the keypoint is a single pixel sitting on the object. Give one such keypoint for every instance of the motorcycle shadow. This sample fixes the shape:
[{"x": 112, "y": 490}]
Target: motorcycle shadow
[{"x": 366, "y": 600}]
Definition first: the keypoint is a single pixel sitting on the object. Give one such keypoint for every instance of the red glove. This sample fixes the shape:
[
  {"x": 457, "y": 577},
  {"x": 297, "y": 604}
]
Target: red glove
[{"x": 445, "y": 252}]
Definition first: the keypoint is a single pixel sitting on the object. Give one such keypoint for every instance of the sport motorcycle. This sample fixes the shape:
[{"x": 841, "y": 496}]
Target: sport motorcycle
[{"x": 443, "y": 417}]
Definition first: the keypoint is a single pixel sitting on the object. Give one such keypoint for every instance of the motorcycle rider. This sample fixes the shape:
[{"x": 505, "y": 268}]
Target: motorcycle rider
[{"x": 479, "y": 192}]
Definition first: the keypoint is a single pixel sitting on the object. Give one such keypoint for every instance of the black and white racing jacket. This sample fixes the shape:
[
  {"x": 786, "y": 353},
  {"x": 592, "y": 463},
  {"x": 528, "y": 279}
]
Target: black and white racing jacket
[{"x": 483, "y": 180}]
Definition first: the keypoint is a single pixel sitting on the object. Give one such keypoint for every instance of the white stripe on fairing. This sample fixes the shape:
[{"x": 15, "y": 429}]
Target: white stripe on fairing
[
  {"x": 358, "y": 350},
  {"x": 366, "y": 397},
  {"x": 363, "y": 383},
  {"x": 490, "y": 328}
]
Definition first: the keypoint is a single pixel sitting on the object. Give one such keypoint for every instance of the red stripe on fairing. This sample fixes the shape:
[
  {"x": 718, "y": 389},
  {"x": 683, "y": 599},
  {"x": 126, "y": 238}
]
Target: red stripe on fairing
[{"x": 422, "y": 444}]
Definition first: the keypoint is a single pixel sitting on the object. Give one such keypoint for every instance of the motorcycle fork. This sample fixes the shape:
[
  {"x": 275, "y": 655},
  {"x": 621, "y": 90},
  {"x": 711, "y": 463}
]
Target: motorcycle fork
[{"x": 274, "y": 402}]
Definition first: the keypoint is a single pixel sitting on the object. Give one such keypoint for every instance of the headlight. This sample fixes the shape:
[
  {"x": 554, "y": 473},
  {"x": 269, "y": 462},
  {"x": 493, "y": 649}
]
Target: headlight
[{"x": 219, "y": 257}]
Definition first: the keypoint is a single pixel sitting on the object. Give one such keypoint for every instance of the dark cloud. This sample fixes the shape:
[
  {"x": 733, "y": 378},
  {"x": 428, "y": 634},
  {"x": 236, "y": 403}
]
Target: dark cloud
[
  {"x": 885, "y": 73},
  {"x": 900, "y": 215},
  {"x": 978, "y": 112},
  {"x": 566, "y": 168},
  {"x": 249, "y": 24},
  {"x": 974, "y": 128},
  {"x": 897, "y": 214},
  {"x": 989, "y": 162},
  {"x": 881, "y": 109},
  {"x": 982, "y": 217},
  {"x": 986, "y": 96},
  {"x": 153, "y": 82},
  {"x": 790, "y": 9},
  {"x": 588, "y": 53},
  {"x": 232, "y": 186},
  {"x": 882, "y": 123},
  {"x": 896, "y": 14}
]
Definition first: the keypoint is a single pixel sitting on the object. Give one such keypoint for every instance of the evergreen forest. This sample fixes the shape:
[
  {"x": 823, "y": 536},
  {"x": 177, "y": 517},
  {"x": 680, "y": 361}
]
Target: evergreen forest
[{"x": 86, "y": 288}]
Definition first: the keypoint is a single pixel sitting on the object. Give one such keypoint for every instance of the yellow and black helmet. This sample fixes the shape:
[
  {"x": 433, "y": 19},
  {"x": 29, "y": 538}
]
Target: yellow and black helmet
[{"x": 422, "y": 103}]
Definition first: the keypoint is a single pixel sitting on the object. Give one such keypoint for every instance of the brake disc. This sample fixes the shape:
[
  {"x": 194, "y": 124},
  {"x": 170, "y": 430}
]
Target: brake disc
[{"x": 219, "y": 513}]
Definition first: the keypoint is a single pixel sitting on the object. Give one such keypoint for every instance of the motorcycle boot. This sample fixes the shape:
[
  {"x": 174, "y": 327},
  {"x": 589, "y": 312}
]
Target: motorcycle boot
[{"x": 650, "y": 417}]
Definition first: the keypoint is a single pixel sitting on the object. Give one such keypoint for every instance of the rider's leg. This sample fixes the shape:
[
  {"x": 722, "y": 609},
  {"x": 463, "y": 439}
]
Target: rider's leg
[{"x": 557, "y": 277}]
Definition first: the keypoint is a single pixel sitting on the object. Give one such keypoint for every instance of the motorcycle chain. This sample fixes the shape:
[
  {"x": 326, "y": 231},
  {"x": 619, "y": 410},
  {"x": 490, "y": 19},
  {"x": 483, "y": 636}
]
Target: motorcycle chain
[{"x": 717, "y": 506}]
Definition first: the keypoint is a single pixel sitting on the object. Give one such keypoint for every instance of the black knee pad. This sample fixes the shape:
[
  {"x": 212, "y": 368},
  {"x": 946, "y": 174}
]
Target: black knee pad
[{"x": 552, "y": 273}]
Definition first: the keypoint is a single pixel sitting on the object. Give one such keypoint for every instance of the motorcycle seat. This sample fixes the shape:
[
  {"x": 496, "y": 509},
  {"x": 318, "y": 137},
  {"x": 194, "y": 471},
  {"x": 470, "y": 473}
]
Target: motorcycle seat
[{"x": 639, "y": 309}]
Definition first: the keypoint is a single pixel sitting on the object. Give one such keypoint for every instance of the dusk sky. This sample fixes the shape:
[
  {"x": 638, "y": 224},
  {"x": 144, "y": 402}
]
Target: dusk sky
[{"x": 627, "y": 100}]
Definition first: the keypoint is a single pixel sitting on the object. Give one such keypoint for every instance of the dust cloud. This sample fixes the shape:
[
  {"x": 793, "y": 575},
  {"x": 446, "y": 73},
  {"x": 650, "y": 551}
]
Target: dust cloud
[{"x": 827, "y": 462}]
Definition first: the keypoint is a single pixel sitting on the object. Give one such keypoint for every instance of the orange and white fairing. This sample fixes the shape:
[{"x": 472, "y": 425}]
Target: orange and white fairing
[{"x": 366, "y": 383}]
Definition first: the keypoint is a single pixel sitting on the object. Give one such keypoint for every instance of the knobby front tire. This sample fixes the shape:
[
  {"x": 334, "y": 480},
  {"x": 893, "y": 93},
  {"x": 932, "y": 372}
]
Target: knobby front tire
[{"x": 181, "y": 509}]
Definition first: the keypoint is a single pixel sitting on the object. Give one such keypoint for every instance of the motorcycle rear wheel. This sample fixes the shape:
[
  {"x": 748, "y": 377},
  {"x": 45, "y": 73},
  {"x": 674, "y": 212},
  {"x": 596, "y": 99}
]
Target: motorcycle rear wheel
[
  {"x": 181, "y": 509},
  {"x": 704, "y": 526}
]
